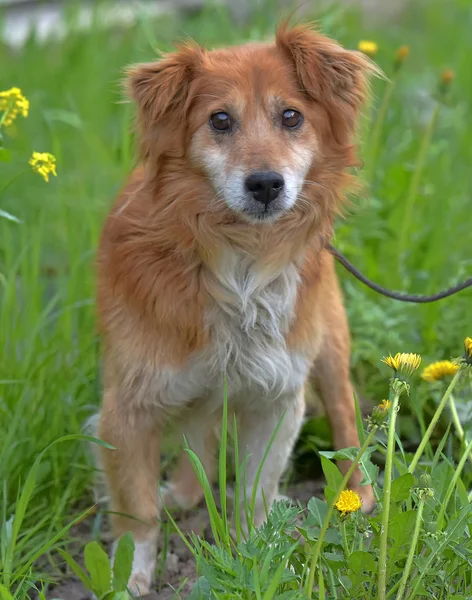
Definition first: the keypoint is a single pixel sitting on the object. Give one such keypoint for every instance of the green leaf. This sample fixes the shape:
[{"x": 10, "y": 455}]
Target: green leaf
[
  {"x": 5, "y": 594},
  {"x": 318, "y": 509},
  {"x": 98, "y": 565},
  {"x": 360, "y": 561},
  {"x": 368, "y": 469},
  {"x": 76, "y": 569},
  {"x": 401, "y": 527},
  {"x": 401, "y": 487},
  {"x": 123, "y": 562},
  {"x": 359, "y": 421},
  {"x": 201, "y": 590},
  {"x": 334, "y": 560},
  {"x": 331, "y": 472}
]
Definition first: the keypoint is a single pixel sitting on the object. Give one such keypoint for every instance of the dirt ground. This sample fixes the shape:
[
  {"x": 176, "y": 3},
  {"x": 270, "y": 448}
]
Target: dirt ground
[{"x": 178, "y": 572}]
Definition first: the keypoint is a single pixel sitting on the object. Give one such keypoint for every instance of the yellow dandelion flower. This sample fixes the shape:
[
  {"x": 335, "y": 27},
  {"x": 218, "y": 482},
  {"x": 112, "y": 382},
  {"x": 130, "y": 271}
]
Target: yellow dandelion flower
[
  {"x": 439, "y": 370},
  {"x": 447, "y": 76},
  {"x": 402, "y": 53},
  {"x": 385, "y": 405},
  {"x": 368, "y": 47},
  {"x": 404, "y": 363},
  {"x": 348, "y": 502},
  {"x": 44, "y": 164},
  {"x": 12, "y": 104},
  {"x": 468, "y": 350}
]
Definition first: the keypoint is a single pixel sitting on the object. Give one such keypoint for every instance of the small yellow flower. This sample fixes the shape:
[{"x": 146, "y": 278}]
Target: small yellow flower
[
  {"x": 348, "y": 502},
  {"x": 447, "y": 76},
  {"x": 468, "y": 350},
  {"x": 402, "y": 53},
  {"x": 385, "y": 405},
  {"x": 368, "y": 47},
  {"x": 439, "y": 370},
  {"x": 44, "y": 164},
  {"x": 12, "y": 104},
  {"x": 404, "y": 363}
]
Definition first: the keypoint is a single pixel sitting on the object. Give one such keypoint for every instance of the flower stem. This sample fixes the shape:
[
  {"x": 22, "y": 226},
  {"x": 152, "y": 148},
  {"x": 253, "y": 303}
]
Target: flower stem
[
  {"x": 411, "y": 553},
  {"x": 452, "y": 485},
  {"x": 458, "y": 425},
  {"x": 324, "y": 528},
  {"x": 344, "y": 534},
  {"x": 433, "y": 423},
  {"x": 382, "y": 578}
]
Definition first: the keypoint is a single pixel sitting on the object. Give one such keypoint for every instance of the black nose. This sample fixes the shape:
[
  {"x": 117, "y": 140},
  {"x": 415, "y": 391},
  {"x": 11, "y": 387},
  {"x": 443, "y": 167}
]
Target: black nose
[{"x": 264, "y": 186}]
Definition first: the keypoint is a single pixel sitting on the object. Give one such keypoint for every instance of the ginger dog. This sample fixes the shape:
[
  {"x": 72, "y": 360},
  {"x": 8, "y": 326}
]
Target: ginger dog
[{"x": 212, "y": 264}]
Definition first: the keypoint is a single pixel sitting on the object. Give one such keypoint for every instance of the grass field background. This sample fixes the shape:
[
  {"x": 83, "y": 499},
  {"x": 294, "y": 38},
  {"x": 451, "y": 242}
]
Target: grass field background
[{"x": 49, "y": 367}]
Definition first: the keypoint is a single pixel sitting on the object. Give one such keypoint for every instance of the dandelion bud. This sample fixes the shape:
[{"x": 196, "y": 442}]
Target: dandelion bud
[
  {"x": 447, "y": 76},
  {"x": 380, "y": 412},
  {"x": 401, "y": 55},
  {"x": 445, "y": 82},
  {"x": 424, "y": 488}
]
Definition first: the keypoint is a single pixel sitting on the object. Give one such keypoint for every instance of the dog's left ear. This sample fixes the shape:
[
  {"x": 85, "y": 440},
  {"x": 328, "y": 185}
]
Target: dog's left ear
[{"x": 329, "y": 74}]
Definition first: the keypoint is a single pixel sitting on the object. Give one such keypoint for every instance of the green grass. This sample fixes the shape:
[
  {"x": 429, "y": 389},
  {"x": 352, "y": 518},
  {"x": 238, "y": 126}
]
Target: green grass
[{"x": 49, "y": 376}]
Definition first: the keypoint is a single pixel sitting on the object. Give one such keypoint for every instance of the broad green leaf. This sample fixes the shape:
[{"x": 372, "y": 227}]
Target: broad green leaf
[
  {"x": 123, "y": 562},
  {"x": 401, "y": 487},
  {"x": 331, "y": 472},
  {"x": 335, "y": 560},
  {"x": 360, "y": 561},
  {"x": 318, "y": 509},
  {"x": 98, "y": 565},
  {"x": 368, "y": 469}
]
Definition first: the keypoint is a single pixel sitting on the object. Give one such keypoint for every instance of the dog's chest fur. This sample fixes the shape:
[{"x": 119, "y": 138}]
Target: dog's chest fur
[{"x": 248, "y": 318}]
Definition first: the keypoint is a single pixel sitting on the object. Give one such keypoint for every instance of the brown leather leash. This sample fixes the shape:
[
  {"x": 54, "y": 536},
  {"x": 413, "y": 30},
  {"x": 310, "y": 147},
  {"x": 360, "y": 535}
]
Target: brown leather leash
[{"x": 403, "y": 297}]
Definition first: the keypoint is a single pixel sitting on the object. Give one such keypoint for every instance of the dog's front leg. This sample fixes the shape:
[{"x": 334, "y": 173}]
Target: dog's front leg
[
  {"x": 132, "y": 472},
  {"x": 256, "y": 427}
]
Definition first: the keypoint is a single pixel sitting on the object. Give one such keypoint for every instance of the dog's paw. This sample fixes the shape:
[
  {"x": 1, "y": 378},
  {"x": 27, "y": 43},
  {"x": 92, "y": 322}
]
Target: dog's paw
[
  {"x": 368, "y": 499},
  {"x": 140, "y": 583},
  {"x": 144, "y": 564}
]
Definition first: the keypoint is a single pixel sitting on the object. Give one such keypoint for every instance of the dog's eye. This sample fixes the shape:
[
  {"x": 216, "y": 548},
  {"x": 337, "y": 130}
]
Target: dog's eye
[
  {"x": 292, "y": 119},
  {"x": 220, "y": 121}
]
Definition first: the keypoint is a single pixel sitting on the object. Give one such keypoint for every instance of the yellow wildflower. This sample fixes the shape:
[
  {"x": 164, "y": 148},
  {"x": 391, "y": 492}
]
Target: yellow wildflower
[
  {"x": 404, "y": 363},
  {"x": 447, "y": 76},
  {"x": 368, "y": 47},
  {"x": 44, "y": 164},
  {"x": 468, "y": 350},
  {"x": 439, "y": 370},
  {"x": 12, "y": 104},
  {"x": 402, "y": 53},
  {"x": 348, "y": 502},
  {"x": 379, "y": 413}
]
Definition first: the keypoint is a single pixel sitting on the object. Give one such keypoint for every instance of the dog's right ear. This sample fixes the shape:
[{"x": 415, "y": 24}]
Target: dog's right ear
[{"x": 161, "y": 88}]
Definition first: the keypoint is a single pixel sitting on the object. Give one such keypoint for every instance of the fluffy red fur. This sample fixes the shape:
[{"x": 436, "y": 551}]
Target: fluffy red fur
[{"x": 161, "y": 253}]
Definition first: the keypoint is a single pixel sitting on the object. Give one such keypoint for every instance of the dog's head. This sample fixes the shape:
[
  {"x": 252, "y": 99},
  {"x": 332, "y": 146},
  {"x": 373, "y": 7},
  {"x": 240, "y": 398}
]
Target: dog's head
[{"x": 260, "y": 121}]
